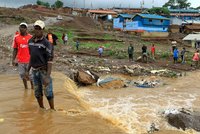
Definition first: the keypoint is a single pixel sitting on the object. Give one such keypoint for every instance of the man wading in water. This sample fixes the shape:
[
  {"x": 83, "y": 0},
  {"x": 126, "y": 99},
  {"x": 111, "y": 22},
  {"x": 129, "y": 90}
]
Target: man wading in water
[
  {"x": 21, "y": 52},
  {"x": 41, "y": 64}
]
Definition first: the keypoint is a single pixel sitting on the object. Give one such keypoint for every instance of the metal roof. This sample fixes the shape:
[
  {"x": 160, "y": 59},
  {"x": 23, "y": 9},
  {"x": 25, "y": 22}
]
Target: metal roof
[
  {"x": 126, "y": 15},
  {"x": 184, "y": 11},
  {"x": 185, "y": 14},
  {"x": 102, "y": 11},
  {"x": 192, "y": 37},
  {"x": 152, "y": 16}
]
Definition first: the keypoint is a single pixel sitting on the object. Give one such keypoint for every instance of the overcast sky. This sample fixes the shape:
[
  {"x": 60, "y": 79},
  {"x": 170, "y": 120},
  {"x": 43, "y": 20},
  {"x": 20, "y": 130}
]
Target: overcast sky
[{"x": 96, "y": 3}]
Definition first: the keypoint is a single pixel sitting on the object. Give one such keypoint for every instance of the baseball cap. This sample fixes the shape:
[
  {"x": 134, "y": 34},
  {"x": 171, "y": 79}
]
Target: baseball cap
[
  {"x": 23, "y": 24},
  {"x": 40, "y": 24}
]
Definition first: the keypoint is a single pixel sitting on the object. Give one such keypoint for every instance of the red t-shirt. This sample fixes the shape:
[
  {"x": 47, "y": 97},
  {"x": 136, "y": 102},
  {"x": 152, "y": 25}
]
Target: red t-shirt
[
  {"x": 153, "y": 49},
  {"x": 21, "y": 43}
]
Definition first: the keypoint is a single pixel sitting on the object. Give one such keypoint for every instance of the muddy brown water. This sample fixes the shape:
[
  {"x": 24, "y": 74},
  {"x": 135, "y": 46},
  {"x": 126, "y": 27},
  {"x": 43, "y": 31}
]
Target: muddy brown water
[
  {"x": 19, "y": 112},
  {"x": 92, "y": 110}
]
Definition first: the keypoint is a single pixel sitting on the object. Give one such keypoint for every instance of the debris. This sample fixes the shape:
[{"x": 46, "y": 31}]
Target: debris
[{"x": 111, "y": 83}]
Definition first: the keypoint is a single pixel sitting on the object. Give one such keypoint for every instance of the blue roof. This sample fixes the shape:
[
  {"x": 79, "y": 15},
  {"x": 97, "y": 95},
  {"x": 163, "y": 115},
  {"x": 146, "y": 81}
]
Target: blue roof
[
  {"x": 184, "y": 11},
  {"x": 152, "y": 16},
  {"x": 126, "y": 15}
]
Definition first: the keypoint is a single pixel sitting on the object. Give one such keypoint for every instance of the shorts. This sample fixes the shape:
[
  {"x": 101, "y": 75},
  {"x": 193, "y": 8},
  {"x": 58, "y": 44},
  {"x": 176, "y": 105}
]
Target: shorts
[
  {"x": 38, "y": 77},
  {"x": 22, "y": 68}
]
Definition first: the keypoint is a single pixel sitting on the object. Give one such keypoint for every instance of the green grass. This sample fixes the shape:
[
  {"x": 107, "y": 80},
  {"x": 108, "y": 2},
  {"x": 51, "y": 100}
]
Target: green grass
[{"x": 107, "y": 36}]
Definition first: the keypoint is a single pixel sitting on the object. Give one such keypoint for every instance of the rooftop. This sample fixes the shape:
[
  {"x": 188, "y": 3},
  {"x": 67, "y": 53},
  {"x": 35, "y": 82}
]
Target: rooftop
[
  {"x": 184, "y": 11},
  {"x": 102, "y": 11},
  {"x": 152, "y": 16},
  {"x": 192, "y": 37},
  {"x": 126, "y": 15}
]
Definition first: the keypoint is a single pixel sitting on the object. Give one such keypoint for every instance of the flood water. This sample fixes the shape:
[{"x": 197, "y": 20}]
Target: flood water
[
  {"x": 93, "y": 110},
  {"x": 19, "y": 112}
]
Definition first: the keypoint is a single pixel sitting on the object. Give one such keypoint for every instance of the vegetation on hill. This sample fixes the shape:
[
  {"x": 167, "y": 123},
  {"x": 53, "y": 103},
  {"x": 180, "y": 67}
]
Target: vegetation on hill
[
  {"x": 177, "y": 4},
  {"x": 57, "y": 4}
]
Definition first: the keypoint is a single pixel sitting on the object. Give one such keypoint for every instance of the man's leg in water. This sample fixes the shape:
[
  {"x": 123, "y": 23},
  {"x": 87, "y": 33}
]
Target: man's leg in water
[
  {"x": 25, "y": 83},
  {"x": 51, "y": 103},
  {"x": 37, "y": 81},
  {"x": 40, "y": 102},
  {"x": 49, "y": 94}
]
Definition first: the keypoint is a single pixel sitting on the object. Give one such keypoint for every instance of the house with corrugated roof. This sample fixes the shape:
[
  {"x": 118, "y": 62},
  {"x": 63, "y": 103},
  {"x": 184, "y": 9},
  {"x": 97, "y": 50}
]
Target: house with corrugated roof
[
  {"x": 192, "y": 28},
  {"x": 141, "y": 23},
  {"x": 192, "y": 38},
  {"x": 149, "y": 23},
  {"x": 120, "y": 22},
  {"x": 185, "y": 14}
]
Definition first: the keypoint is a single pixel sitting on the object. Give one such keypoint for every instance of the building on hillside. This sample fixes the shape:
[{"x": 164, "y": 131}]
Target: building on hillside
[
  {"x": 185, "y": 14},
  {"x": 125, "y": 17},
  {"x": 149, "y": 23},
  {"x": 120, "y": 22},
  {"x": 176, "y": 21},
  {"x": 95, "y": 14},
  {"x": 128, "y": 10},
  {"x": 191, "y": 28},
  {"x": 141, "y": 23},
  {"x": 192, "y": 38}
]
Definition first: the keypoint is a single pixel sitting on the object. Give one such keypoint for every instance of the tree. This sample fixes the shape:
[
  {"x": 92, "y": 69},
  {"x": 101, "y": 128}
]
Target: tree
[
  {"x": 159, "y": 10},
  {"x": 58, "y": 4},
  {"x": 177, "y": 4},
  {"x": 198, "y": 7},
  {"x": 46, "y": 4}
]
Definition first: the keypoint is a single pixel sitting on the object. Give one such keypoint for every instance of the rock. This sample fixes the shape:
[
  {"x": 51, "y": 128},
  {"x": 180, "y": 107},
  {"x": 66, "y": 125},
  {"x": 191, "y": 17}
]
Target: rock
[
  {"x": 86, "y": 77},
  {"x": 184, "y": 119},
  {"x": 104, "y": 68},
  {"x": 111, "y": 83}
]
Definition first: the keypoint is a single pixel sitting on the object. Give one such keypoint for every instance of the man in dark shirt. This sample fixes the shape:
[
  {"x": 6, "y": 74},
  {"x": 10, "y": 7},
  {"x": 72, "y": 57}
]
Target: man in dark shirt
[
  {"x": 144, "y": 53},
  {"x": 130, "y": 52},
  {"x": 41, "y": 63}
]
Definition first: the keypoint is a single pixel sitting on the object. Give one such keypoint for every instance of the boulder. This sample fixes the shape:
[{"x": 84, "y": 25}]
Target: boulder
[
  {"x": 184, "y": 119},
  {"x": 86, "y": 77}
]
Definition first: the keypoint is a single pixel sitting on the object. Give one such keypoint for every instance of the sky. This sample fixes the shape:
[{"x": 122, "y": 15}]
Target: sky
[{"x": 96, "y": 3}]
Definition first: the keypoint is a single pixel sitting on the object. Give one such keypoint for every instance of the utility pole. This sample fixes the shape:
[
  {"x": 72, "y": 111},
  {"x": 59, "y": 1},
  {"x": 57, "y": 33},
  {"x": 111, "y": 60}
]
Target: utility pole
[
  {"x": 74, "y": 4},
  {"x": 91, "y": 5},
  {"x": 152, "y": 3},
  {"x": 84, "y": 4}
]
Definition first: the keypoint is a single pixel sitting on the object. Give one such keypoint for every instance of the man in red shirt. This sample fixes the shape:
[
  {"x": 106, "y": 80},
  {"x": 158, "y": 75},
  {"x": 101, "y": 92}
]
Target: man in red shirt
[
  {"x": 153, "y": 51},
  {"x": 21, "y": 54}
]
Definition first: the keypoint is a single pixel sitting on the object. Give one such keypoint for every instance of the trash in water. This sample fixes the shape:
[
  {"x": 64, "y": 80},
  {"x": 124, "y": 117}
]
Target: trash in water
[{"x": 150, "y": 82}]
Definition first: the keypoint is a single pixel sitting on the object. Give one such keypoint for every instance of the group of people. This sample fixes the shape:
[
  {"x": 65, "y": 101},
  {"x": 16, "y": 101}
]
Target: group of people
[
  {"x": 34, "y": 56},
  {"x": 144, "y": 52}
]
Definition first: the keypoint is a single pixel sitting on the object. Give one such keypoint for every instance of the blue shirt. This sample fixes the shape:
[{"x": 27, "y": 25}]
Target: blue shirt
[{"x": 175, "y": 53}]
